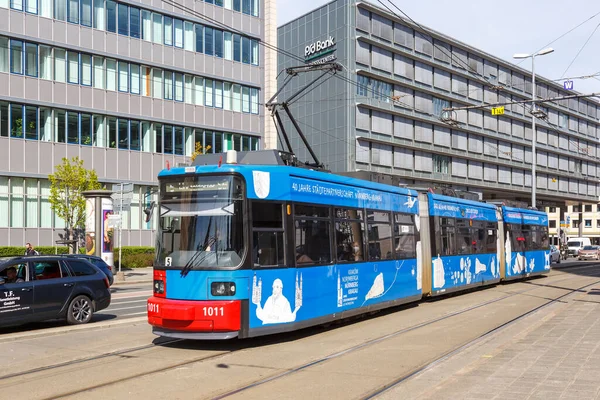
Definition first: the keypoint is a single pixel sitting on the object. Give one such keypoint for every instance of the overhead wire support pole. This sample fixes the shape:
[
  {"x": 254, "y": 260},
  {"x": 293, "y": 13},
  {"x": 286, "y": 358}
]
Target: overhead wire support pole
[{"x": 285, "y": 137}]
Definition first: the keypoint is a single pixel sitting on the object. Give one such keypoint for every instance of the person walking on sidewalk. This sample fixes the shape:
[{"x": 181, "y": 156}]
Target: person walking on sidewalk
[{"x": 30, "y": 251}]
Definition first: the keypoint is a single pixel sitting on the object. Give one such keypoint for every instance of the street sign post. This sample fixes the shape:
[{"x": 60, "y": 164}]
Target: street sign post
[{"x": 122, "y": 197}]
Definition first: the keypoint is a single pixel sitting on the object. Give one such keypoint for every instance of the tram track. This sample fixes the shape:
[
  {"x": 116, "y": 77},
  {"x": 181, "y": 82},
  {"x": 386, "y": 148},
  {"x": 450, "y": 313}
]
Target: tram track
[
  {"x": 419, "y": 370},
  {"x": 91, "y": 362},
  {"x": 412, "y": 328}
]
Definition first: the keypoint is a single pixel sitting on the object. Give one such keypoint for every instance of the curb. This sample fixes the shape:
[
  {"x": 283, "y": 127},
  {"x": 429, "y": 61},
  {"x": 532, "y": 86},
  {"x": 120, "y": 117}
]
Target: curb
[{"x": 70, "y": 328}]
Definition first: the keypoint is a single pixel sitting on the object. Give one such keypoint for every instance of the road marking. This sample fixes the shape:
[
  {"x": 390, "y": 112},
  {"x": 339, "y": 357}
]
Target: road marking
[
  {"x": 146, "y": 295},
  {"x": 137, "y": 313},
  {"x": 131, "y": 301},
  {"x": 122, "y": 308},
  {"x": 141, "y": 292}
]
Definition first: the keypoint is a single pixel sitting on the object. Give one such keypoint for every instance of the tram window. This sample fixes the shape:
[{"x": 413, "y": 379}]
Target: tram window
[
  {"x": 465, "y": 243},
  {"x": 448, "y": 235},
  {"x": 404, "y": 241},
  {"x": 349, "y": 239},
  {"x": 517, "y": 237},
  {"x": 379, "y": 236},
  {"x": 491, "y": 234},
  {"x": 312, "y": 241},
  {"x": 269, "y": 248},
  {"x": 544, "y": 240},
  {"x": 304, "y": 210},
  {"x": 267, "y": 215},
  {"x": 532, "y": 241},
  {"x": 405, "y": 219},
  {"x": 267, "y": 223}
]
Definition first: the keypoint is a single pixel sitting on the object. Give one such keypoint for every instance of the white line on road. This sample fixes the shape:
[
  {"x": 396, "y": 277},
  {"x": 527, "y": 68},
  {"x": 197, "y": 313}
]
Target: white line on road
[
  {"x": 122, "y": 308},
  {"x": 137, "y": 313},
  {"x": 126, "y": 302},
  {"x": 117, "y": 297}
]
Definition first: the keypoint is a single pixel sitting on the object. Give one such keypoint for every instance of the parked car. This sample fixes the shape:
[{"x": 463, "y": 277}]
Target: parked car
[
  {"x": 39, "y": 288},
  {"x": 589, "y": 253},
  {"x": 554, "y": 254},
  {"x": 98, "y": 262}
]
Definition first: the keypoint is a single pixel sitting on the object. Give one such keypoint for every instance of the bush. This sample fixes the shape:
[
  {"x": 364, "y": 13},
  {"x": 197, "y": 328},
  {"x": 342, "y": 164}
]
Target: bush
[
  {"x": 13, "y": 251},
  {"x": 141, "y": 260},
  {"x": 133, "y": 250}
]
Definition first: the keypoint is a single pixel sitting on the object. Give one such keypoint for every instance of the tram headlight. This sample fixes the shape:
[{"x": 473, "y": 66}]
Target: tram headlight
[{"x": 222, "y": 288}]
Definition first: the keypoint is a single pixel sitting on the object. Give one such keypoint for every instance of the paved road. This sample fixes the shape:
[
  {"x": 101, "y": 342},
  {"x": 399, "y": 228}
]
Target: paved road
[
  {"x": 127, "y": 301},
  {"x": 346, "y": 361}
]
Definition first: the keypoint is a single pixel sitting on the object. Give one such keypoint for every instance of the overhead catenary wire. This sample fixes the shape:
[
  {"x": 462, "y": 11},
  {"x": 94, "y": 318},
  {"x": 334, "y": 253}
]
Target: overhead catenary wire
[{"x": 581, "y": 49}]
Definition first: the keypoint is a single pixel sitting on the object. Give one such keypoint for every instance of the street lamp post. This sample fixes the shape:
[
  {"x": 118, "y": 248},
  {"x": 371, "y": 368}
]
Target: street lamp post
[{"x": 533, "y": 117}]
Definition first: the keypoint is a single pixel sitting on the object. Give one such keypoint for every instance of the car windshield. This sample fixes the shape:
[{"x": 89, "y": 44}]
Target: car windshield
[
  {"x": 589, "y": 248},
  {"x": 201, "y": 222},
  {"x": 573, "y": 243}
]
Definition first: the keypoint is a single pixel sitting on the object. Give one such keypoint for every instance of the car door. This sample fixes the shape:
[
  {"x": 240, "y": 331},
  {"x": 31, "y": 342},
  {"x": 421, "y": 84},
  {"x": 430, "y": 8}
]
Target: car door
[
  {"x": 53, "y": 286},
  {"x": 16, "y": 299}
]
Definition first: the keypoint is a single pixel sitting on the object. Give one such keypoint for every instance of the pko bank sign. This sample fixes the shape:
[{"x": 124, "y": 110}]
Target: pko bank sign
[{"x": 319, "y": 48}]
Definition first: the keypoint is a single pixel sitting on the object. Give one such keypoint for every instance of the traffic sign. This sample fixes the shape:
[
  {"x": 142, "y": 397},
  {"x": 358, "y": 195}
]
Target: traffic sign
[
  {"x": 498, "y": 110},
  {"x": 118, "y": 208},
  {"x": 118, "y": 196},
  {"x": 127, "y": 187},
  {"x": 568, "y": 85}
]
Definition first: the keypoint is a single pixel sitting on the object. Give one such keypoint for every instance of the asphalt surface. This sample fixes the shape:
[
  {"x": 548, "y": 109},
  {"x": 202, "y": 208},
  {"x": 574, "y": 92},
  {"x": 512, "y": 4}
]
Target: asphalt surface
[
  {"x": 356, "y": 359},
  {"x": 127, "y": 301}
]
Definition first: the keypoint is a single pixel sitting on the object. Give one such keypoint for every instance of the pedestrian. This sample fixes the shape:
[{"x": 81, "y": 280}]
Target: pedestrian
[{"x": 30, "y": 251}]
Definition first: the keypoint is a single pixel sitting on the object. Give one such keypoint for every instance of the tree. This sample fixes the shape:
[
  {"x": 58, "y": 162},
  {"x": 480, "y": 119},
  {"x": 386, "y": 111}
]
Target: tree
[
  {"x": 67, "y": 182},
  {"x": 198, "y": 150}
]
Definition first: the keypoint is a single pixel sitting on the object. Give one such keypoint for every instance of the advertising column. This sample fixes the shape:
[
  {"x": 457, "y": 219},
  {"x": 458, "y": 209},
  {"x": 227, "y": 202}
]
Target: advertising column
[{"x": 99, "y": 238}]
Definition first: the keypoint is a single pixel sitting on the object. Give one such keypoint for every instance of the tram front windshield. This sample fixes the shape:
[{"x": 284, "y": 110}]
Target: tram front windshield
[{"x": 201, "y": 223}]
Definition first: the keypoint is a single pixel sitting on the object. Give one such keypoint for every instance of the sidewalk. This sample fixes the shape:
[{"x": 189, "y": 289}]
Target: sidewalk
[
  {"x": 553, "y": 354},
  {"x": 134, "y": 275}
]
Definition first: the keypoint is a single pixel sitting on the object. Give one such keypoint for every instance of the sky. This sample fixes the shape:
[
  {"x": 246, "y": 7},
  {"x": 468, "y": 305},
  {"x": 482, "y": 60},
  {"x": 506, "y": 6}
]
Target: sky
[{"x": 506, "y": 27}]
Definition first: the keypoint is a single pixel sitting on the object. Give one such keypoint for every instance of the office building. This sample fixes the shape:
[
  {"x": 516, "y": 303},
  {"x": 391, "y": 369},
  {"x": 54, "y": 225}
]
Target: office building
[
  {"x": 384, "y": 111},
  {"x": 127, "y": 86}
]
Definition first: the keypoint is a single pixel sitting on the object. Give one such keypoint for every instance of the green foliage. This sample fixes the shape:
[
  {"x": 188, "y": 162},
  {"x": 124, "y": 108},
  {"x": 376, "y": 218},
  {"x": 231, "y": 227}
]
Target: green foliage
[
  {"x": 13, "y": 251},
  {"x": 68, "y": 181},
  {"x": 142, "y": 260},
  {"x": 133, "y": 250}
]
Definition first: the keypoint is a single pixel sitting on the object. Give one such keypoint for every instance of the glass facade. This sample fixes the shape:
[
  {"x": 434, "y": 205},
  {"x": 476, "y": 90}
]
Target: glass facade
[
  {"x": 138, "y": 23},
  {"x": 76, "y": 68}
]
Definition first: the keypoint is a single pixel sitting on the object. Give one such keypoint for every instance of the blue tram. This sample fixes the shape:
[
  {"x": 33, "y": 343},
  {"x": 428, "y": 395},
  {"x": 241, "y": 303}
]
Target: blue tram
[{"x": 254, "y": 247}]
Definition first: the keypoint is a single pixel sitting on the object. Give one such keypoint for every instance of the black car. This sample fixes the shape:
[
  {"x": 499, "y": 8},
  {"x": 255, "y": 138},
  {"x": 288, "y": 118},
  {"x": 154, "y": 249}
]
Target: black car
[
  {"x": 98, "y": 262},
  {"x": 39, "y": 288}
]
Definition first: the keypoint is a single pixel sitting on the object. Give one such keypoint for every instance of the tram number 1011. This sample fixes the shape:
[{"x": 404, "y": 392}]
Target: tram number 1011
[{"x": 213, "y": 311}]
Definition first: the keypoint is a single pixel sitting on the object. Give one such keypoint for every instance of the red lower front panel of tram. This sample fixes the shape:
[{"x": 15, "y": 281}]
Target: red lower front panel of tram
[{"x": 194, "y": 316}]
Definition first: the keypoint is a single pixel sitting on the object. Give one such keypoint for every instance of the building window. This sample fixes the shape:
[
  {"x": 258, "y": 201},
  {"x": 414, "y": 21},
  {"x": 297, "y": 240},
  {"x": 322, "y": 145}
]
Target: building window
[
  {"x": 31, "y": 123},
  {"x": 208, "y": 41},
  {"x": 16, "y": 5},
  {"x": 439, "y": 105},
  {"x": 441, "y": 164},
  {"x": 552, "y": 209},
  {"x": 168, "y": 26},
  {"x": 199, "y": 38},
  {"x": 4, "y": 58},
  {"x": 73, "y": 67},
  {"x": 31, "y": 59},
  {"x": 598, "y": 223},
  {"x": 72, "y": 127},
  {"x": 16, "y": 120},
  {"x": 86, "y": 12},
  {"x": 16, "y": 57},
  {"x": 111, "y": 16},
  {"x": 588, "y": 208},
  {"x": 576, "y": 209},
  {"x": 218, "y": 34},
  {"x": 86, "y": 129},
  {"x": 134, "y": 22},
  {"x": 552, "y": 224},
  {"x": 86, "y": 69},
  {"x": 575, "y": 223},
  {"x": 588, "y": 223},
  {"x": 99, "y": 15},
  {"x": 178, "y": 32},
  {"x": 563, "y": 120}
]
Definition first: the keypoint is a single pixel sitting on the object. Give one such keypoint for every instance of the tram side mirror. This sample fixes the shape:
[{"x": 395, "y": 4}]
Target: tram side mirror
[{"x": 148, "y": 211}]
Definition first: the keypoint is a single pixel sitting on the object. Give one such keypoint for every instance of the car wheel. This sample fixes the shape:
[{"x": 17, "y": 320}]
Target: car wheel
[{"x": 80, "y": 310}]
